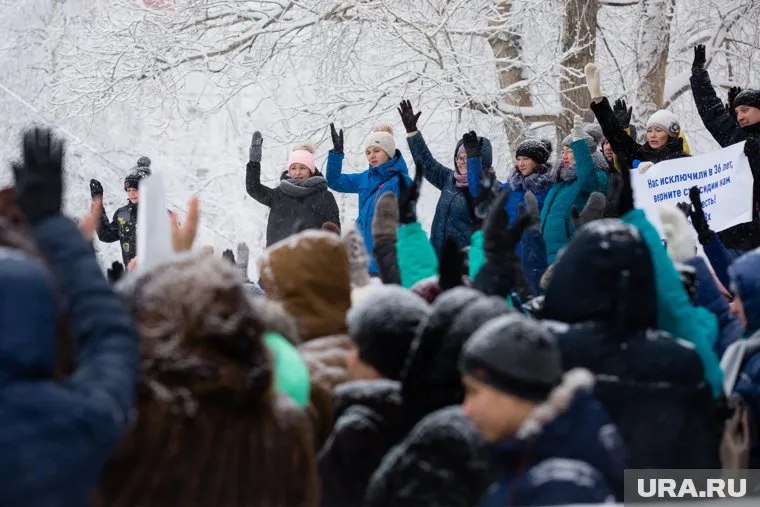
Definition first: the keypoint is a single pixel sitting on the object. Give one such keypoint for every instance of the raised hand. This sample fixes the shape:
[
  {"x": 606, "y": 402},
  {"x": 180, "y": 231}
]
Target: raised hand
[
  {"x": 578, "y": 128},
  {"x": 732, "y": 93},
  {"x": 696, "y": 214},
  {"x": 184, "y": 236},
  {"x": 594, "y": 210},
  {"x": 408, "y": 117},
  {"x": 593, "y": 81},
  {"x": 254, "y": 152},
  {"x": 622, "y": 113},
  {"x": 96, "y": 189},
  {"x": 472, "y": 145},
  {"x": 337, "y": 139},
  {"x": 700, "y": 57},
  {"x": 39, "y": 178}
]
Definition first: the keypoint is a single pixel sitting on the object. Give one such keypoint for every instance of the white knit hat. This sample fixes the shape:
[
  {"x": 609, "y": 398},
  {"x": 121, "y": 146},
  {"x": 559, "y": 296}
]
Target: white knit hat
[
  {"x": 666, "y": 121},
  {"x": 382, "y": 137}
]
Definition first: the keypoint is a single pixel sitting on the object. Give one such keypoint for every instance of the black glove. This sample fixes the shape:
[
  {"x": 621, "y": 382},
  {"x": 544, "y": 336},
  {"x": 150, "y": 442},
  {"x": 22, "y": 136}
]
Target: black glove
[
  {"x": 732, "y": 93},
  {"x": 699, "y": 58},
  {"x": 593, "y": 210},
  {"x": 697, "y": 216},
  {"x": 228, "y": 255},
  {"x": 472, "y": 145},
  {"x": 408, "y": 196},
  {"x": 96, "y": 189},
  {"x": 337, "y": 139},
  {"x": 407, "y": 116},
  {"x": 622, "y": 113},
  {"x": 39, "y": 179},
  {"x": 115, "y": 272},
  {"x": 614, "y": 190},
  {"x": 452, "y": 266},
  {"x": 500, "y": 240}
]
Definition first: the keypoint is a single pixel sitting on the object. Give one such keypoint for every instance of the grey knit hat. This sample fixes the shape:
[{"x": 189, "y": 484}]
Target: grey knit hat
[{"x": 514, "y": 354}]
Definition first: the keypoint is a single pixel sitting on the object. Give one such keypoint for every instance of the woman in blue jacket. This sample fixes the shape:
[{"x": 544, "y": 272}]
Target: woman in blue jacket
[
  {"x": 386, "y": 165},
  {"x": 580, "y": 171}
]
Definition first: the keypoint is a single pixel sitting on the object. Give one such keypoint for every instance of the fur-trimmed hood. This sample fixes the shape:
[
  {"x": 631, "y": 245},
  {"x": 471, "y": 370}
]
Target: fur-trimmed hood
[{"x": 570, "y": 425}]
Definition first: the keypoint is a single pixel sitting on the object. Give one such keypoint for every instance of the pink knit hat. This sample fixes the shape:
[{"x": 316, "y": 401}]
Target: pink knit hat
[{"x": 303, "y": 154}]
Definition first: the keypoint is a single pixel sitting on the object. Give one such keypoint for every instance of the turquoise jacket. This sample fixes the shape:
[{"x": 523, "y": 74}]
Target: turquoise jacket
[
  {"x": 675, "y": 313},
  {"x": 417, "y": 259},
  {"x": 556, "y": 221}
]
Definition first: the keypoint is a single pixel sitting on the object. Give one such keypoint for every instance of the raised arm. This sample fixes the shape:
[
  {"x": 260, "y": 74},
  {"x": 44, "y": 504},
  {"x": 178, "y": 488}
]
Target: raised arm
[
  {"x": 435, "y": 172},
  {"x": 336, "y": 180},
  {"x": 723, "y": 127},
  {"x": 588, "y": 178},
  {"x": 253, "y": 184}
]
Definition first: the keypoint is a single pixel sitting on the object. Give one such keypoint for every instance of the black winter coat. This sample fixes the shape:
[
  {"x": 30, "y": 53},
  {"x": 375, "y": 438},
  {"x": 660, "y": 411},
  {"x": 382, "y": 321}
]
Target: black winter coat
[
  {"x": 293, "y": 207},
  {"x": 442, "y": 462},
  {"x": 123, "y": 228},
  {"x": 726, "y": 131},
  {"x": 625, "y": 147},
  {"x": 369, "y": 422}
]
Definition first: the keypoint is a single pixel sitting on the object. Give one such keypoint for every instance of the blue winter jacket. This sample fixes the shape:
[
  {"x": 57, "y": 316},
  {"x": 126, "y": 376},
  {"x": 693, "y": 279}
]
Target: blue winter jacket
[
  {"x": 556, "y": 221},
  {"x": 452, "y": 214},
  {"x": 578, "y": 458},
  {"x": 369, "y": 184},
  {"x": 56, "y": 435}
]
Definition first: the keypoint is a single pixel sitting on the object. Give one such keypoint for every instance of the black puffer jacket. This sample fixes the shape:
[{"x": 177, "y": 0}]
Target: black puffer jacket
[
  {"x": 369, "y": 421},
  {"x": 295, "y": 206},
  {"x": 625, "y": 147},
  {"x": 443, "y": 460},
  {"x": 651, "y": 385},
  {"x": 123, "y": 228},
  {"x": 726, "y": 131}
]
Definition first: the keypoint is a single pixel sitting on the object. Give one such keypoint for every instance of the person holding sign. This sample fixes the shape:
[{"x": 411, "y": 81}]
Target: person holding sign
[
  {"x": 664, "y": 139},
  {"x": 733, "y": 123}
]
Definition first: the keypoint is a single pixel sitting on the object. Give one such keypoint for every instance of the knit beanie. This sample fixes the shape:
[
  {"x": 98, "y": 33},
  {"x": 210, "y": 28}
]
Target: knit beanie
[
  {"x": 515, "y": 355},
  {"x": 138, "y": 172},
  {"x": 748, "y": 98},
  {"x": 383, "y": 324},
  {"x": 303, "y": 154},
  {"x": 382, "y": 137},
  {"x": 537, "y": 150},
  {"x": 589, "y": 141},
  {"x": 666, "y": 121}
]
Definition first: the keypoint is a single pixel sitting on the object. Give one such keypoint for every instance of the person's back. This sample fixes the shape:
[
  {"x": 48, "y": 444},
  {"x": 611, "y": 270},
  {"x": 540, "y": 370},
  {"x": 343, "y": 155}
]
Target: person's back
[
  {"x": 56, "y": 434},
  {"x": 651, "y": 384},
  {"x": 210, "y": 429}
]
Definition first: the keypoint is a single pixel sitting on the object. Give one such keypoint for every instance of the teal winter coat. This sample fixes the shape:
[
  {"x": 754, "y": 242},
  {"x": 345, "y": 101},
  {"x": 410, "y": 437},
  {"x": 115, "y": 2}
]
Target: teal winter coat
[{"x": 556, "y": 221}]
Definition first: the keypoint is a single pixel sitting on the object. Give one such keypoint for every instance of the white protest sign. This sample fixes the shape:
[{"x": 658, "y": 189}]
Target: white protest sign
[
  {"x": 723, "y": 177},
  {"x": 154, "y": 233}
]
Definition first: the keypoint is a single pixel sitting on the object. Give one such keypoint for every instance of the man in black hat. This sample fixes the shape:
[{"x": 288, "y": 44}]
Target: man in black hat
[
  {"x": 123, "y": 227},
  {"x": 553, "y": 441}
]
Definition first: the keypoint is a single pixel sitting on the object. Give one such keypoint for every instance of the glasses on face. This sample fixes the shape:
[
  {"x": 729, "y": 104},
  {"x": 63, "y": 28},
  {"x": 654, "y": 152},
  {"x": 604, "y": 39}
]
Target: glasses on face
[{"x": 462, "y": 158}]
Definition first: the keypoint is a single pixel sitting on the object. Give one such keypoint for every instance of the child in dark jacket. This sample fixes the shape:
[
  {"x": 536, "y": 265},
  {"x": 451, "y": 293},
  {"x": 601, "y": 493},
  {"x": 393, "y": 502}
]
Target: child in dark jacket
[{"x": 553, "y": 441}]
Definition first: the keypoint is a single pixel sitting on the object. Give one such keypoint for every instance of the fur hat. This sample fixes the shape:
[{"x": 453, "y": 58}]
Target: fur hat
[
  {"x": 587, "y": 137},
  {"x": 666, "y": 121},
  {"x": 303, "y": 154},
  {"x": 748, "y": 98},
  {"x": 595, "y": 131},
  {"x": 138, "y": 172},
  {"x": 515, "y": 355},
  {"x": 537, "y": 150},
  {"x": 382, "y": 137}
]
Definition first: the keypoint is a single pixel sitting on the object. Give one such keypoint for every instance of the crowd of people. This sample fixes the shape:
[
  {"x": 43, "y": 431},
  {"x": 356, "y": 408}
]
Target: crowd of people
[{"x": 540, "y": 341}]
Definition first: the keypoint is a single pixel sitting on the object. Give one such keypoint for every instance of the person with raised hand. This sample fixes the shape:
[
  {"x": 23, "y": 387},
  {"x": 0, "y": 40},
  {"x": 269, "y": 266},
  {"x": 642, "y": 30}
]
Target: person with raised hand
[
  {"x": 123, "y": 226},
  {"x": 58, "y": 433},
  {"x": 580, "y": 171},
  {"x": 386, "y": 165},
  {"x": 452, "y": 219},
  {"x": 739, "y": 122},
  {"x": 301, "y": 200},
  {"x": 664, "y": 139}
]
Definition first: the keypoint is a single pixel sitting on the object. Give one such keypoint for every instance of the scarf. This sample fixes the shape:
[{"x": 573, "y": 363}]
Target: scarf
[
  {"x": 303, "y": 188},
  {"x": 567, "y": 173},
  {"x": 461, "y": 180},
  {"x": 535, "y": 183}
]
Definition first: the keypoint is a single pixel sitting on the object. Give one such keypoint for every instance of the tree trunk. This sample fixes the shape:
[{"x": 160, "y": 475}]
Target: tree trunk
[
  {"x": 578, "y": 46},
  {"x": 652, "y": 61},
  {"x": 507, "y": 48}
]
